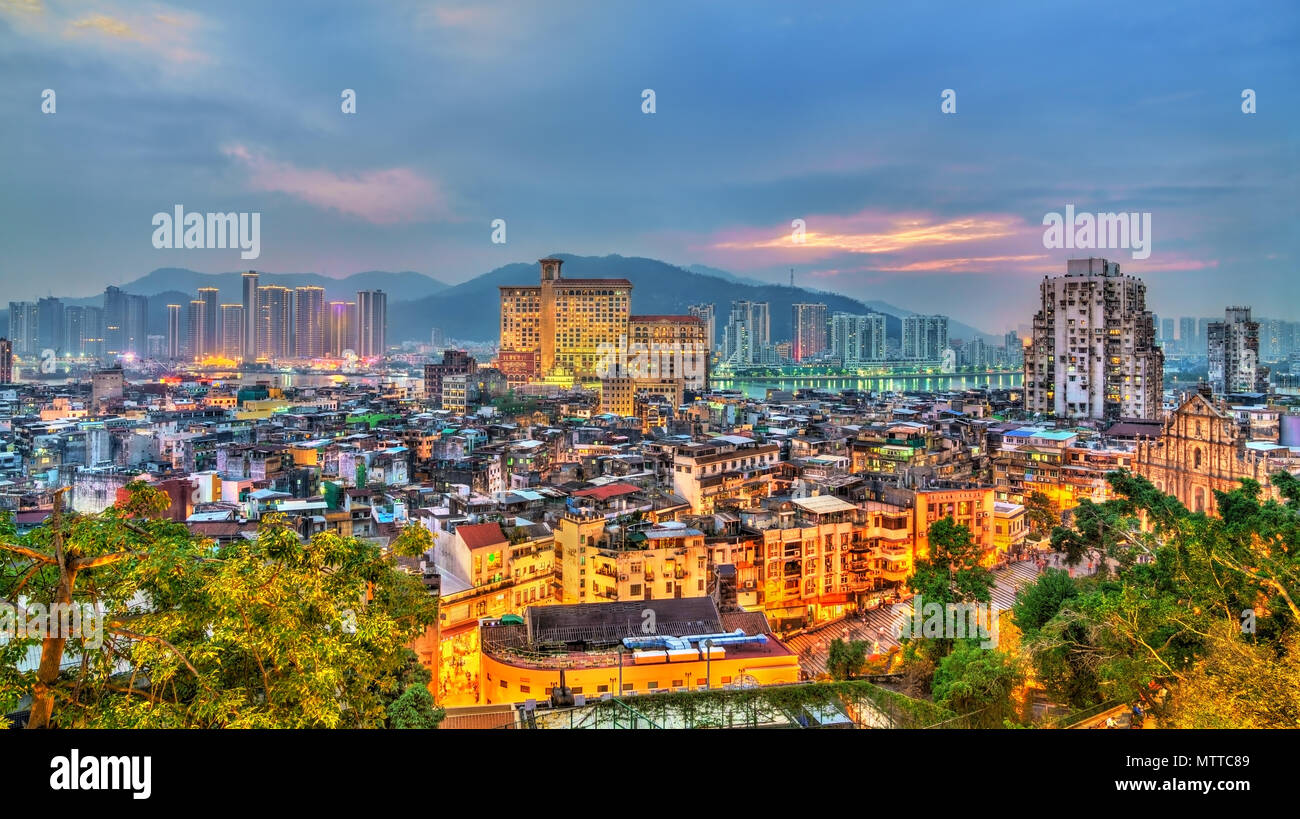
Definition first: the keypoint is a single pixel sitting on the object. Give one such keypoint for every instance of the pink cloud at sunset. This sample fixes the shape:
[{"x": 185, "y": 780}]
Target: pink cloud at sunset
[
  {"x": 383, "y": 197},
  {"x": 916, "y": 243}
]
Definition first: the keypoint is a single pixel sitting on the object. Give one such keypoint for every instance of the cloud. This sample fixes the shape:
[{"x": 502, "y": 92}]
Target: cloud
[
  {"x": 972, "y": 264},
  {"x": 163, "y": 33},
  {"x": 464, "y": 16},
  {"x": 884, "y": 233},
  {"x": 21, "y": 7},
  {"x": 894, "y": 241},
  {"x": 108, "y": 26},
  {"x": 383, "y": 197}
]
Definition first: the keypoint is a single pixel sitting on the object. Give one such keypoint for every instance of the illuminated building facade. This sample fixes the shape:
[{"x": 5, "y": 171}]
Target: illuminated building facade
[
  {"x": 570, "y": 324},
  {"x": 249, "y": 284},
  {"x": 232, "y": 331},
  {"x": 523, "y": 660},
  {"x": 1203, "y": 448},
  {"x": 662, "y": 562},
  {"x": 175, "y": 342},
  {"x": 822, "y": 556},
  {"x": 808, "y": 326},
  {"x": 275, "y": 322},
  {"x": 342, "y": 330},
  {"x": 1094, "y": 353},
  {"x": 729, "y": 472},
  {"x": 309, "y": 322}
]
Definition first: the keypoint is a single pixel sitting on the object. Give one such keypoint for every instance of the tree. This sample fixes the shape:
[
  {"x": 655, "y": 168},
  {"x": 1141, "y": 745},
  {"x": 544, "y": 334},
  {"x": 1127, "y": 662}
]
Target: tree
[
  {"x": 1218, "y": 587},
  {"x": 1041, "y": 600},
  {"x": 1041, "y": 513},
  {"x": 978, "y": 682},
  {"x": 844, "y": 660},
  {"x": 951, "y": 574},
  {"x": 1240, "y": 684},
  {"x": 415, "y": 709},
  {"x": 272, "y": 632}
]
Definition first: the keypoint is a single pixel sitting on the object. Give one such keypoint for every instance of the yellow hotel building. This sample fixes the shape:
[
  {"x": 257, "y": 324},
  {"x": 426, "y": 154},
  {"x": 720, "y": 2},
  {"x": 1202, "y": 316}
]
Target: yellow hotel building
[{"x": 569, "y": 324}]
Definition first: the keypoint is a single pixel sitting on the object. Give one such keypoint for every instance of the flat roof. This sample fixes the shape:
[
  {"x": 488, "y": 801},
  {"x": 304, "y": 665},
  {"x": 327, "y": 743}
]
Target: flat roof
[{"x": 823, "y": 504}]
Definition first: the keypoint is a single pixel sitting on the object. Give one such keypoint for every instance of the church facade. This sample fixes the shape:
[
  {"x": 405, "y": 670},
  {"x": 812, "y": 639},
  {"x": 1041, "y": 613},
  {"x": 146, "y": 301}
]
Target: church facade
[{"x": 1202, "y": 448}]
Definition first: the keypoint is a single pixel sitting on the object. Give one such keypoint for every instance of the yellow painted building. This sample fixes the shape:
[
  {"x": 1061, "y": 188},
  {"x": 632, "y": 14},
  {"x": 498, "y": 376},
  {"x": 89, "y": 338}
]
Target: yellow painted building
[
  {"x": 665, "y": 561},
  {"x": 569, "y": 323},
  {"x": 522, "y": 660}
]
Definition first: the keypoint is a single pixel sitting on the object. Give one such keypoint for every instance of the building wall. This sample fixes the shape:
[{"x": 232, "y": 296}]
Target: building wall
[
  {"x": 1093, "y": 353},
  {"x": 503, "y": 682}
]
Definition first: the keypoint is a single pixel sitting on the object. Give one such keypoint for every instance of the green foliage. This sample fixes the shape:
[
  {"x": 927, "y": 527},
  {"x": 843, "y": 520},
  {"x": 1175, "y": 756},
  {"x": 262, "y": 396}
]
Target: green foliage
[
  {"x": 1041, "y": 600},
  {"x": 1177, "y": 618},
  {"x": 844, "y": 660},
  {"x": 1240, "y": 684},
  {"x": 951, "y": 574},
  {"x": 1041, "y": 513},
  {"x": 415, "y": 709},
  {"x": 978, "y": 682},
  {"x": 723, "y": 707},
  {"x": 271, "y": 632}
]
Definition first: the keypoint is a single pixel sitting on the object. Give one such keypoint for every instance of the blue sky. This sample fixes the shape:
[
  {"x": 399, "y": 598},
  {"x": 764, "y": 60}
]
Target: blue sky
[{"x": 765, "y": 113}]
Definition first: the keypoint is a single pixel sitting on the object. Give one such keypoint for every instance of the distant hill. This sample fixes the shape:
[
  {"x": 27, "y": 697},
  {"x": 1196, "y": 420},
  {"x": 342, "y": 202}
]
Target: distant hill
[
  {"x": 705, "y": 270},
  {"x": 402, "y": 286},
  {"x": 471, "y": 310}
]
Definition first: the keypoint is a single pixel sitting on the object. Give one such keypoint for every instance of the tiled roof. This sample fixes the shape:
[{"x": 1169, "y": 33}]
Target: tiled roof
[{"x": 480, "y": 535}]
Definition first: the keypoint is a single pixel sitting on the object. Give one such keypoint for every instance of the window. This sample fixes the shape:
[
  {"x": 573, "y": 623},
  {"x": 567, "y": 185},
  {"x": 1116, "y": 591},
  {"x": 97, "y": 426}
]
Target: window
[
  {"x": 524, "y": 688},
  {"x": 726, "y": 681}
]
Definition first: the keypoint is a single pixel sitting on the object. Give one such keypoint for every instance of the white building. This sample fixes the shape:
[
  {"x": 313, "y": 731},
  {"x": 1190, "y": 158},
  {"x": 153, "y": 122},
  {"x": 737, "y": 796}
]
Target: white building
[{"x": 1094, "y": 353}]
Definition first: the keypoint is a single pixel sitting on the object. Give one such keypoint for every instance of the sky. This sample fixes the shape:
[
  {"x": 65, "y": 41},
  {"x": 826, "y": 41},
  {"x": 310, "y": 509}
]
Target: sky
[{"x": 764, "y": 113}]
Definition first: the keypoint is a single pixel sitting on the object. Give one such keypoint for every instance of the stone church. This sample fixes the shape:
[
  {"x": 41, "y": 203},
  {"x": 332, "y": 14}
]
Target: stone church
[{"x": 1203, "y": 448}]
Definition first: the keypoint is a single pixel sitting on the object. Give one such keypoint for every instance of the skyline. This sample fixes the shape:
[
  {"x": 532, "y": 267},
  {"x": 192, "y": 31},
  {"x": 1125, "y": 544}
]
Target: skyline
[{"x": 470, "y": 114}]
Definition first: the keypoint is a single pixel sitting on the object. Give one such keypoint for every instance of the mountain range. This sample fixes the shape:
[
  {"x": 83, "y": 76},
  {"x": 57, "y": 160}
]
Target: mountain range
[{"x": 471, "y": 310}]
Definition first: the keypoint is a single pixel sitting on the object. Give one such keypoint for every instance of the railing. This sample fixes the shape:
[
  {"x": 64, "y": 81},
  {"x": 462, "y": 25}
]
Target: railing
[{"x": 1075, "y": 718}]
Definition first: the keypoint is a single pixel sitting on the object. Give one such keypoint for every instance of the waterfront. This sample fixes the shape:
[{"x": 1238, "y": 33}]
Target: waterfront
[{"x": 936, "y": 382}]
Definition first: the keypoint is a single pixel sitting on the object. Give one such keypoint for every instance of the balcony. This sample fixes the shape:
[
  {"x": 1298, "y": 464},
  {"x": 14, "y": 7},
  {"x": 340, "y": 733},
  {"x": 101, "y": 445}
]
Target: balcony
[{"x": 895, "y": 572}]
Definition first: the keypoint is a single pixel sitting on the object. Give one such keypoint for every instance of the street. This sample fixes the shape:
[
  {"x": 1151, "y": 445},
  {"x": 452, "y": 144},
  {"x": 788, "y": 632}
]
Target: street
[{"x": 880, "y": 628}]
